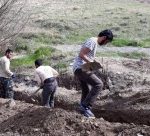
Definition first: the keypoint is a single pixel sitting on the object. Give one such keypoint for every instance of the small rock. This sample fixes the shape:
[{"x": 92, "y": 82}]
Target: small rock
[
  {"x": 102, "y": 119},
  {"x": 132, "y": 124},
  {"x": 88, "y": 132},
  {"x": 96, "y": 124},
  {"x": 83, "y": 120},
  {"x": 27, "y": 78},
  {"x": 143, "y": 132},
  {"x": 36, "y": 129},
  {"x": 11, "y": 103},
  {"x": 139, "y": 134}
]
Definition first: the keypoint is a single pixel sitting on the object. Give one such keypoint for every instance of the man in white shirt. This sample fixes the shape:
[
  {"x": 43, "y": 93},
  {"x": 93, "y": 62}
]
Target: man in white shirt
[
  {"x": 6, "y": 90},
  {"x": 46, "y": 78},
  {"x": 86, "y": 78}
]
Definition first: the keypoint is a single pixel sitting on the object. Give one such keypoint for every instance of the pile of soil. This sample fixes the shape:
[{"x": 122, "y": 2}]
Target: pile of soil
[
  {"x": 123, "y": 111},
  {"x": 27, "y": 119},
  {"x": 142, "y": 65}
]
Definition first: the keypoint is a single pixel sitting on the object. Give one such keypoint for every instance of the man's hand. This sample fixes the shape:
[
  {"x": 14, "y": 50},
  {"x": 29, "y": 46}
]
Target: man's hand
[
  {"x": 41, "y": 87},
  {"x": 13, "y": 76}
]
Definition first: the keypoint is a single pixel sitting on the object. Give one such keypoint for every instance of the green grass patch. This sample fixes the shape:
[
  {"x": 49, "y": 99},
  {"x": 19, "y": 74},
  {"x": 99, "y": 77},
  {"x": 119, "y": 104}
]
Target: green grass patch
[
  {"x": 61, "y": 65},
  {"x": 145, "y": 43},
  {"x": 1, "y": 54},
  {"x": 42, "y": 53},
  {"x": 131, "y": 55},
  {"x": 124, "y": 42},
  {"x": 23, "y": 42}
]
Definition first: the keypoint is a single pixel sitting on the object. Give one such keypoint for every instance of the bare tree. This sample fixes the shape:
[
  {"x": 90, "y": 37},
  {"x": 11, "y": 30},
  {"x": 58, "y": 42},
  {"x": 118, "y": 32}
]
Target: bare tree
[{"x": 12, "y": 20}]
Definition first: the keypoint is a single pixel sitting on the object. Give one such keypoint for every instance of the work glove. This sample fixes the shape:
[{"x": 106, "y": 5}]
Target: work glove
[{"x": 41, "y": 87}]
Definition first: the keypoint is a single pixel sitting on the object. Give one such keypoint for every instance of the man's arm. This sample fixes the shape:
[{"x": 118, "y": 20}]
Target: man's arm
[
  {"x": 83, "y": 54},
  {"x": 7, "y": 69},
  {"x": 38, "y": 79}
]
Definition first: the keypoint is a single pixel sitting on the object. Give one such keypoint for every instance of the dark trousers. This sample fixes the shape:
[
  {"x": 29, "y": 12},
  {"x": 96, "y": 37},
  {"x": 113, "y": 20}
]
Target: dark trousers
[
  {"x": 48, "y": 94},
  {"x": 87, "y": 80},
  {"x": 6, "y": 88}
]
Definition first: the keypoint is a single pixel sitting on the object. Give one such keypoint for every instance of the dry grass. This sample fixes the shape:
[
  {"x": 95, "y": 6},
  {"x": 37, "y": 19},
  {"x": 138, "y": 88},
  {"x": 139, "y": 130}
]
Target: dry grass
[{"x": 128, "y": 19}]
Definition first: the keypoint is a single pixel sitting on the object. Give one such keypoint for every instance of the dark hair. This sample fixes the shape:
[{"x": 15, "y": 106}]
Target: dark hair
[
  {"x": 8, "y": 51},
  {"x": 108, "y": 33},
  {"x": 38, "y": 62}
]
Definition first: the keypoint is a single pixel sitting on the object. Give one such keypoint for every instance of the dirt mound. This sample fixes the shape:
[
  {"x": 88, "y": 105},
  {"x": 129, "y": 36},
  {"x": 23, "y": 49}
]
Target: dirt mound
[
  {"x": 122, "y": 111},
  {"x": 27, "y": 119},
  {"x": 130, "y": 107},
  {"x": 35, "y": 120},
  {"x": 143, "y": 65}
]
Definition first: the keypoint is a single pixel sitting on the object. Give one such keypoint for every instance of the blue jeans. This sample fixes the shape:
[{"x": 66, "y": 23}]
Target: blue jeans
[
  {"x": 6, "y": 88},
  {"x": 48, "y": 94},
  {"x": 89, "y": 79}
]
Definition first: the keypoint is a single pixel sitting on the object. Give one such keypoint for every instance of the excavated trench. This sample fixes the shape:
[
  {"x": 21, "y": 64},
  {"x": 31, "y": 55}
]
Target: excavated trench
[{"x": 110, "y": 113}]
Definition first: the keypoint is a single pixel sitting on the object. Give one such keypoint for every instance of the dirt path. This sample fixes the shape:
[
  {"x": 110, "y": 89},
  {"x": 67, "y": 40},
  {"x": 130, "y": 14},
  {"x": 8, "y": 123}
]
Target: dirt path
[
  {"x": 144, "y": 1},
  {"x": 75, "y": 48}
]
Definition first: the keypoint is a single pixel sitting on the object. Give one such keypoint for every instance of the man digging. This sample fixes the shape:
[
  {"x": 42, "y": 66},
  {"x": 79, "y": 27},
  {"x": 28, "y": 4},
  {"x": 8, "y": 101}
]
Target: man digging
[
  {"x": 87, "y": 77},
  {"x": 46, "y": 78},
  {"x": 6, "y": 76}
]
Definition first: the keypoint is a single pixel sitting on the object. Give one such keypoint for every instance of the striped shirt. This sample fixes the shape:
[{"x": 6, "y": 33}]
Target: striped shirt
[{"x": 91, "y": 43}]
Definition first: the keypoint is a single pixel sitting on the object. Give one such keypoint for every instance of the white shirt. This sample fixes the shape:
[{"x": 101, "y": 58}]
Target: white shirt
[
  {"x": 44, "y": 72},
  {"x": 4, "y": 67},
  {"x": 90, "y": 43}
]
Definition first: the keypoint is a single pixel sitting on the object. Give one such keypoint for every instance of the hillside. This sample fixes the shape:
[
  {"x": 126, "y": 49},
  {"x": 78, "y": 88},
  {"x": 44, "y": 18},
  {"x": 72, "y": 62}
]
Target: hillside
[{"x": 55, "y": 32}]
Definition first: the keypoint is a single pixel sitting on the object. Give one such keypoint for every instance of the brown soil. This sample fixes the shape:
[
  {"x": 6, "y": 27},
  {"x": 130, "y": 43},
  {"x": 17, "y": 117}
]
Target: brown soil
[
  {"x": 123, "y": 111},
  {"x": 27, "y": 119}
]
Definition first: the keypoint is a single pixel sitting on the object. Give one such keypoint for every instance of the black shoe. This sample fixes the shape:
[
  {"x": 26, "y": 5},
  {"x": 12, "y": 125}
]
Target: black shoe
[{"x": 87, "y": 111}]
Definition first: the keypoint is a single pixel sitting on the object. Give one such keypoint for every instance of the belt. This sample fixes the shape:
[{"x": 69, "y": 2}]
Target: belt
[
  {"x": 48, "y": 80},
  {"x": 4, "y": 78}
]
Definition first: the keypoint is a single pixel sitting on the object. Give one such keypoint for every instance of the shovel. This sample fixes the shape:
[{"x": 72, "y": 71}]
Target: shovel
[
  {"x": 31, "y": 95},
  {"x": 91, "y": 66}
]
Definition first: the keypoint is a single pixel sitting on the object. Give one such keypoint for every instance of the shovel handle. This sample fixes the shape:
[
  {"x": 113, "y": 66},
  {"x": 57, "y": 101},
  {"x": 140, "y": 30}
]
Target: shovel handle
[{"x": 36, "y": 91}]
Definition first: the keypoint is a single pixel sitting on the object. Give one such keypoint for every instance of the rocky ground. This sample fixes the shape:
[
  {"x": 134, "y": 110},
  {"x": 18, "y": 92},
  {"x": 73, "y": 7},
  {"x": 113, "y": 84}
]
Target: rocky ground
[{"x": 121, "y": 111}]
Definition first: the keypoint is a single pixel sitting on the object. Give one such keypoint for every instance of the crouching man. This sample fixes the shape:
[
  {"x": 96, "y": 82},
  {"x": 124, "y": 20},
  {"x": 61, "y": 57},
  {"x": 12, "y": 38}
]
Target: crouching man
[
  {"x": 46, "y": 78},
  {"x": 6, "y": 88}
]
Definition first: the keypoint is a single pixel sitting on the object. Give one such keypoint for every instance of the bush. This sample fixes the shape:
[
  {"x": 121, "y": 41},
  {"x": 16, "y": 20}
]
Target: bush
[{"x": 42, "y": 52}]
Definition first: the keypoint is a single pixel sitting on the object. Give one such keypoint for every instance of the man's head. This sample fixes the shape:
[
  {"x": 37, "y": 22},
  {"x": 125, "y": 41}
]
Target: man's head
[
  {"x": 38, "y": 63},
  {"x": 9, "y": 53},
  {"x": 105, "y": 36}
]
